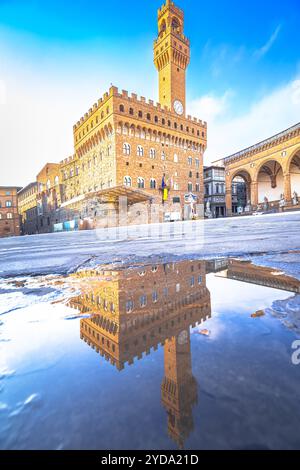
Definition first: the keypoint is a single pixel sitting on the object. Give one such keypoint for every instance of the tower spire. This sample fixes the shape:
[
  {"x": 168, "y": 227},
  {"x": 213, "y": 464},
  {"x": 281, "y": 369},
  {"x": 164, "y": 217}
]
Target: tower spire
[{"x": 171, "y": 57}]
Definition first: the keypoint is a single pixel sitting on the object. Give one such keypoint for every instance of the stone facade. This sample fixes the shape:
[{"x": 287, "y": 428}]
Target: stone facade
[
  {"x": 271, "y": 170},
  {"x": 9, "y": 215},
  {"x": 126, "y": 140},
  {"x": 49, "y": 197},
  {"x": 27, "y": 202},
  {"x": 171, "y": 57},
  {"x": 215, "y": 194}
]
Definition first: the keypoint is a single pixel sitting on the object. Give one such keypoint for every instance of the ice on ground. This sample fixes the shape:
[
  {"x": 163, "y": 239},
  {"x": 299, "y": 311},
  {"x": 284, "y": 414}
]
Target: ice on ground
[
  {"x": 16, "y": 294},
  {"x": 288, "y": 311}
]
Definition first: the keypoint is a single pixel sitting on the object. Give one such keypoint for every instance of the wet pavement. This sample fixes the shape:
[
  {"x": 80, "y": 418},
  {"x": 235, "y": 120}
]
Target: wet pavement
[{"x": 193, "y": 354}]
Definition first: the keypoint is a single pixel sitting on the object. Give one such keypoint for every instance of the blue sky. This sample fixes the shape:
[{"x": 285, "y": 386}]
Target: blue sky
[{"x": 57, "y": 58}]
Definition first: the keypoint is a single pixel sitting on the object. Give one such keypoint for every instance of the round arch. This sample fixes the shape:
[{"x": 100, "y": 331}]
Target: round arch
[
  {"x": 240, "y": 185},
  {"x": 270, "y": 180},
  {"x": 293, "y": 169}
]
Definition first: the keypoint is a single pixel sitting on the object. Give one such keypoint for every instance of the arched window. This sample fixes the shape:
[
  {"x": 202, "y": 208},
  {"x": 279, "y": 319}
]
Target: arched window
[
  {"x": 162, "y": 26},
  {"x": 152, "y": 183},
  {"x": 129, "y": 306},
  {"x": 143, "y": 300},
  {"x": 126, "y": 148},
  {"x": 149, "y": 116},
  {"x": 56, "y": 180},
  {"x": 175, "y": 24},
  {"x": 176, "y": 187},
  {"x": 176, "y": 158},
  {"x": 163, "y": 155},
  {"x": 9, "y": 215},
  {"x": 127, "y": 181},
  {"x": 109, "y": 150},
  {"x": 140, "y": 151},
  {"x": 190, "y": 161},
  {"x": 122, "y": 108},
  {"x": 152, "y": 153},
  {"x": 190, "y": 186},
  {"x": 141, "y": 183},
  {"x": 8, "y": 204}
]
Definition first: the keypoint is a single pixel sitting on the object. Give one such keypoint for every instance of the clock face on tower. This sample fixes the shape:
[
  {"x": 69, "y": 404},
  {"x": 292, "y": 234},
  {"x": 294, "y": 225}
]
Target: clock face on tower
[{"x": 178, "y": 107}]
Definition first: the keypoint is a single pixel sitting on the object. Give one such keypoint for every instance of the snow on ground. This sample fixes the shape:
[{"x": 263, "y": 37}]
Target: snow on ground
[
  {"x": 288, "y": 311},
  {"x": 271, "y": 237}
]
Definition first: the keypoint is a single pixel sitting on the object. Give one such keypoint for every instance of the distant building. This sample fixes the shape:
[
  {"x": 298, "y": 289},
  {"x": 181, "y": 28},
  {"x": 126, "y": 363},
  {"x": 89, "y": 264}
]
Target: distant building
[
  {"x": 27, "y": 204},
  {"x": 9, "y": 215},
  {"x": 215, "y": 194},
  {"x": 49, "y": 197},
  {"x": 214, "y": 190}
]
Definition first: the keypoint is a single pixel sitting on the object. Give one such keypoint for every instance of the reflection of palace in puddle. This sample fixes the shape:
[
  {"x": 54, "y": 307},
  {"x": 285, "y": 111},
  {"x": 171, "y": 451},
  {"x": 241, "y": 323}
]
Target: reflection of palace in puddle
[
  {"x": 245, "y": 271},
  {"x": 136, "y": 309}
]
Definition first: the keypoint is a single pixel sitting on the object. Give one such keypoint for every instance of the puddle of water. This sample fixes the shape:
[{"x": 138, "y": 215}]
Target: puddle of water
[{"x": 191, "y": 354}]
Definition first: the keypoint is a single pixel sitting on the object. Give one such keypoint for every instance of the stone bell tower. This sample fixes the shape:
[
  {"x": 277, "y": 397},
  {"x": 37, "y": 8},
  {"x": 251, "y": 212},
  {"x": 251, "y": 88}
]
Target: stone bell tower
[{"x": 172, "y": 57}]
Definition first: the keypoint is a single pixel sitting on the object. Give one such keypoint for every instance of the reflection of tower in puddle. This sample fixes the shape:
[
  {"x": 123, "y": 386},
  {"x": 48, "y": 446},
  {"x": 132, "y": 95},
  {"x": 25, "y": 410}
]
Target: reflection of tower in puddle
[
  {"x": 136, "y": 309},
  {"x": 179, "y": 387}
]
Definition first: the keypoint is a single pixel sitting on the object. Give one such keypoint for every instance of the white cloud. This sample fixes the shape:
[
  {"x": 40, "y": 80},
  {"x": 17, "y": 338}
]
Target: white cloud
[
  {"x": 275, "y": 112},
  {"x": 210, "y": 106},
  {"x": 266, "y": 47}
]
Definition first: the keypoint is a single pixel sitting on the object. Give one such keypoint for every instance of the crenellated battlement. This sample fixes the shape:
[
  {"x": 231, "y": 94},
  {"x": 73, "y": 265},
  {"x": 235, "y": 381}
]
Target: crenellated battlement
[
  {"x": 68, "y": 160},
  {"x": 148, "y": 106},
  {"x": 169, "y": 6}
]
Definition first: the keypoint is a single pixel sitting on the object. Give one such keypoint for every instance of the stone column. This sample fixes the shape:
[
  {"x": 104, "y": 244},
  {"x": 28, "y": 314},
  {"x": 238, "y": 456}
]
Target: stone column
[
  {"x": 254, "y": 193},
  {"x": 228, "y": 200},
  {"x": 287, "y": 187}
]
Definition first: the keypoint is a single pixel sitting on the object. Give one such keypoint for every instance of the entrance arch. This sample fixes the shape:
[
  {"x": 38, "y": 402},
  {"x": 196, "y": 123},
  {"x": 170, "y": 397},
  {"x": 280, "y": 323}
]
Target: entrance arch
[
  {"x": 294, "y": 171},
  {"x": 270, "y": 181},
  {"x": 240, "y": 191},
  {"x": 236, "y": 195}
]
